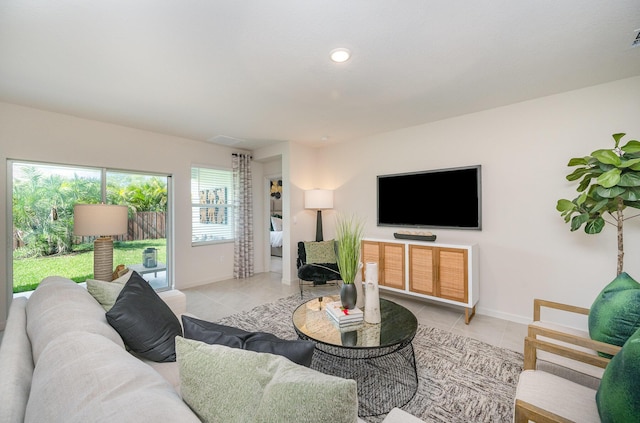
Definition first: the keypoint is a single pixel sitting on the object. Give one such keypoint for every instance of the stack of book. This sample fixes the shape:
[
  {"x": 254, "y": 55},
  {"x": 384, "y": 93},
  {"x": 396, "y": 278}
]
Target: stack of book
[{"x": 343, "y": 317}]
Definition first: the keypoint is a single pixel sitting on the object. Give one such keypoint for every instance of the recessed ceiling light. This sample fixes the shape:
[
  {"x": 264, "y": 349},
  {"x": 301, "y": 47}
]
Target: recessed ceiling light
[{"x": 340, "y": 55}]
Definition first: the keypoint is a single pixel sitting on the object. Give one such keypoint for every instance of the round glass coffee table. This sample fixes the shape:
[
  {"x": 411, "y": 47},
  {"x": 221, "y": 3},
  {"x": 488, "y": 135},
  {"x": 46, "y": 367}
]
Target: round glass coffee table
[{"x": 379, "y": 357}]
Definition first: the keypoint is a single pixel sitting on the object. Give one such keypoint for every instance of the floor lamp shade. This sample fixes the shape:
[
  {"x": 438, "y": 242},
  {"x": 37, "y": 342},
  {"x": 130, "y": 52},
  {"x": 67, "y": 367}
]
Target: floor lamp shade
[
  {"x": 102, "y": 220},
  {"x": 318, "y": 199}
]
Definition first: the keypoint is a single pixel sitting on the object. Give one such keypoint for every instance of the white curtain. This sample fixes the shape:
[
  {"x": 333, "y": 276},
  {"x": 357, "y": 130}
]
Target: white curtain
[{"x": 243, "y": 195}]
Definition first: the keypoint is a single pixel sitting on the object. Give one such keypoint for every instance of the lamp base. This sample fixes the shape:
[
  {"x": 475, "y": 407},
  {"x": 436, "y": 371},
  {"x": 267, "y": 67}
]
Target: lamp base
[
  {"x": 319, "y": 226},
  {"x": 103, "y": 259}
]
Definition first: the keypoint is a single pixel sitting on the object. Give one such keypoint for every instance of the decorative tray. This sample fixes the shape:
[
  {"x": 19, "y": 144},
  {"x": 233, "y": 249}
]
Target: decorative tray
[{"x": 415, "y": 236}]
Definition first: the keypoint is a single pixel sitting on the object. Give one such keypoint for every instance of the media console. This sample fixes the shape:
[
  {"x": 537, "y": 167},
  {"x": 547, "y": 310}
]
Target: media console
[{"x": 440, "y": 272}]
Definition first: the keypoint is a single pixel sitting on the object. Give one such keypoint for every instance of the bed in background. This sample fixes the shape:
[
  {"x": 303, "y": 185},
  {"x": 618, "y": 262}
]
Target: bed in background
[{"x": 275, "y": 235}]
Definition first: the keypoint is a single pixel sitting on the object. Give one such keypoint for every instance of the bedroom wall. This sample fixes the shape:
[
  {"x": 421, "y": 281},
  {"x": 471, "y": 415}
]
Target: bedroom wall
[
  {"x": 526, "y": 249},
  {"x": 30, "y": 134}
]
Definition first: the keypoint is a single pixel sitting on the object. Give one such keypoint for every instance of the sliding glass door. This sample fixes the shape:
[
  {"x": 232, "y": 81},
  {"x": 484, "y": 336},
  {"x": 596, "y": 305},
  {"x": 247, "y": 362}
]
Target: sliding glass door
[{"x": 43, "y": 196}]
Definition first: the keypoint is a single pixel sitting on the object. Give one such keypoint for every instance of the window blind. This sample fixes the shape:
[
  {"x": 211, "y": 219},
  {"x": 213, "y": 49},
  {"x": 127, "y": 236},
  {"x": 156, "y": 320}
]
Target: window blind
[{"x": 211, "y": 205}]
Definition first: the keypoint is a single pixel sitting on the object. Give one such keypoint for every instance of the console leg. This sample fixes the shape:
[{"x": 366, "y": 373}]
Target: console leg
[{"x": 468, "y": 314}]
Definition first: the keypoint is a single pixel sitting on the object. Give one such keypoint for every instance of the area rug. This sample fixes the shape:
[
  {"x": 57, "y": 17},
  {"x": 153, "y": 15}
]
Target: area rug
[{"x": 460, "y": 380}]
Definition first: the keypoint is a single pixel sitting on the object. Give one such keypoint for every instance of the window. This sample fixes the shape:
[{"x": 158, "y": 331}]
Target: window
[
  {"x": 212, "y": 212},
  {"x": 43, "y": 196}
]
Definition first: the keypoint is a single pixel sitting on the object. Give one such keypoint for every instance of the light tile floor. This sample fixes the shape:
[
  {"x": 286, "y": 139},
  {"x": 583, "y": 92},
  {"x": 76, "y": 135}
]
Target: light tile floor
[{"x": 220, "y": 299}]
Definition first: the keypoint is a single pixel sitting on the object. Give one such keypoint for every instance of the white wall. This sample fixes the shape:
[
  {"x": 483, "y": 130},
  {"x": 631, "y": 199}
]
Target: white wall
[
  {"x": 30, "y": 134},
  {"x": 526, "y": 249}
]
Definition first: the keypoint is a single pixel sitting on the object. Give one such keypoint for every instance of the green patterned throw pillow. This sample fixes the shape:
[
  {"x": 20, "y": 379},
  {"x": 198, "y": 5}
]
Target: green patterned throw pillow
[
  {"x": 320, "y": 251},
  {"x": 618, "y": 397},
  {"x": 615, "y": 313},
  {"x": 224, "y": 384}
]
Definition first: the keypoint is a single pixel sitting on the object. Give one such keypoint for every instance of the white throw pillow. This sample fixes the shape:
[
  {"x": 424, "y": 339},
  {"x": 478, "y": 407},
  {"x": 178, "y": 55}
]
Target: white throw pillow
[{"x": 276, "y": 222}]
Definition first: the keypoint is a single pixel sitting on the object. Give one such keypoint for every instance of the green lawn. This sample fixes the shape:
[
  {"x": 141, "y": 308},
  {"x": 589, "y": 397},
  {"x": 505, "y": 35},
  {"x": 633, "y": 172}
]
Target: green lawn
[{"x": 78, "y": 266}]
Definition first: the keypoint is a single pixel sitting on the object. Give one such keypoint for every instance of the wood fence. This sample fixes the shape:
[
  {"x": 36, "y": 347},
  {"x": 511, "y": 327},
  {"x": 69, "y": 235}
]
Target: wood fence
[{"x": 143, "y": 225}]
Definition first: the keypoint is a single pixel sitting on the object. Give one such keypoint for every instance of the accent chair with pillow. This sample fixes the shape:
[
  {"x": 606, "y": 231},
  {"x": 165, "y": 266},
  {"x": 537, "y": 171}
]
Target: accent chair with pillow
[
  {"x": 613, "y": 317},
  {"x": 546, "y": 397},
  {"x": 317, "y": 263}
]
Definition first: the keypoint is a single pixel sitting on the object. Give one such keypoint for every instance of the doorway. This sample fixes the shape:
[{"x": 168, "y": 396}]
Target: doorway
[{"x": 275, "y": 223}]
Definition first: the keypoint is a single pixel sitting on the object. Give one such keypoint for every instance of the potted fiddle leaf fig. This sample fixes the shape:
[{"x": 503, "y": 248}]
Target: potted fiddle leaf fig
[
  {"x": 348, "y": 236},
  {"x": 609, "y": 184}
]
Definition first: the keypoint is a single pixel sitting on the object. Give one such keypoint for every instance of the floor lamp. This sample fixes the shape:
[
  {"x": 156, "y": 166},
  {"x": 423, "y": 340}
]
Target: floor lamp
[
  {"x": 318, "y": 199},
  {"x": 103, "y": 221}
]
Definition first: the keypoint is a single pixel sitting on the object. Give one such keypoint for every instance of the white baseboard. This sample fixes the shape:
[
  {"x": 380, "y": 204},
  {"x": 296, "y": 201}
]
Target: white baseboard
[{"x": 504, "y": 316}]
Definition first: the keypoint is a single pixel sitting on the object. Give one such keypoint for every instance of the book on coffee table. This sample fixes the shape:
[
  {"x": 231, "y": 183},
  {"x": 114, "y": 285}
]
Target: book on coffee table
[
  {"x": 348, "y": 326},
  {"x": 343, "y": 316}
]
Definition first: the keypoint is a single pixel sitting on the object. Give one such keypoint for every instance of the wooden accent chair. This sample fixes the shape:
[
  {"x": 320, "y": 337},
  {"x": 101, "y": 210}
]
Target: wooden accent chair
[
  {"x": 586, "y": 370},
  {"x": 562, "y": 371}
]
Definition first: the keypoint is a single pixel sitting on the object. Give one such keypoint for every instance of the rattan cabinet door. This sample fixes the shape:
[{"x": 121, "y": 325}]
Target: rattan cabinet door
[
  {"x": 422, "y": 269},
  {"x": 370, "y": 253},
  {"x": 390, "y": 259},
  {"x": 393, "y": 265},
  {"x": 452, "y": 274}
]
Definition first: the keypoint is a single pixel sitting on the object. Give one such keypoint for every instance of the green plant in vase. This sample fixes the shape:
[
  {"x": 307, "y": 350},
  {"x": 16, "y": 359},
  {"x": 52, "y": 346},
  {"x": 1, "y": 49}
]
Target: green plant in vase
[
  {"x": 349, "y": 231},
  {"x": 609, "y": 183}
]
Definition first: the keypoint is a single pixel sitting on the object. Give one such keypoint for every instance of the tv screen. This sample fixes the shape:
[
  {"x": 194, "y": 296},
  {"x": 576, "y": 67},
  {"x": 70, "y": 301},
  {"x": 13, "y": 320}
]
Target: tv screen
[{"x": 441, "y": 198}]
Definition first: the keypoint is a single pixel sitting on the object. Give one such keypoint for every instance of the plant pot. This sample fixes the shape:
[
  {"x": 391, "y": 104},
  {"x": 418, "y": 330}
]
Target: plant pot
[
  {"x": 349, "y": 339},
  {"x": 359, "y": 291},
  {"x": 348, "y": 295}
]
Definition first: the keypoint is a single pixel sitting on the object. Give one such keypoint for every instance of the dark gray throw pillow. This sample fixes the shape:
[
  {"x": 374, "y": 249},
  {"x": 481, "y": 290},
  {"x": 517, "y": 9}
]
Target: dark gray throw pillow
[
  {"x": 145, "y": 322},
  {"x": 298, "y": 351}
]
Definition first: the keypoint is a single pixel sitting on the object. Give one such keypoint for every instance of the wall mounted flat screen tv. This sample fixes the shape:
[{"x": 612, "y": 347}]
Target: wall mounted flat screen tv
[{"x": 441, "y": 198}]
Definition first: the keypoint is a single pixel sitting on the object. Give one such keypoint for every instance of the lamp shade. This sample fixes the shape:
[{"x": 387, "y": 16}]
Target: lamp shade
[
  {"x": 318, "y": 199},
  {"x": 99, "y": 219}
]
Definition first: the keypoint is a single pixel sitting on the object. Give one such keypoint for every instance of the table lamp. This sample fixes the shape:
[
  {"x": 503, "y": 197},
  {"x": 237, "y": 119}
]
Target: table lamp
[
  {"x": 318, "y": 199},
  {"x": 103, "y": 221}
]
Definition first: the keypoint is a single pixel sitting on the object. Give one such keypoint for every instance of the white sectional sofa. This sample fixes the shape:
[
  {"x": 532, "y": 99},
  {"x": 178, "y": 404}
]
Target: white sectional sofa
[{"x": 61, "y": 361}]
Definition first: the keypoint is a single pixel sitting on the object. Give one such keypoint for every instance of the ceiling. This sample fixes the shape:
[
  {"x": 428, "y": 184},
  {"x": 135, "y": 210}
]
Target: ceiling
[{"x": 254, "y": 72}]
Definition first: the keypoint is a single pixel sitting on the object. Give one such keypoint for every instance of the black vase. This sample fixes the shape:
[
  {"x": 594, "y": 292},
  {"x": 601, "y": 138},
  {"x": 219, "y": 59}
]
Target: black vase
[
  {"x": 348, "y": 295},
  {"x": 349, "y": 339}
]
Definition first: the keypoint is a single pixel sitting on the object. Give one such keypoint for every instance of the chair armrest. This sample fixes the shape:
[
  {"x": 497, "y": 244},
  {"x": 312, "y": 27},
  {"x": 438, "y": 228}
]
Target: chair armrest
[
  {"x": 535, "y": 331},
  {"x": 538, "y": 304},
  {"x": 532, "y": 344}
]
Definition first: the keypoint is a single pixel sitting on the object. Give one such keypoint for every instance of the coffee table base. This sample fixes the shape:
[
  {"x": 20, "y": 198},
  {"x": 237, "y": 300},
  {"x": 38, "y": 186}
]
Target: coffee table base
[{"x": 386, "y": 376}]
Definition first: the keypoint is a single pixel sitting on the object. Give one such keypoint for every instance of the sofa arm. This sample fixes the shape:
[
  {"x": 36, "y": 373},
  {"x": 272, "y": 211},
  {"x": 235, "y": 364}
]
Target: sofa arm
[
  {"x": 16, "y": 364},
  {"x": 176, "y": 300}
]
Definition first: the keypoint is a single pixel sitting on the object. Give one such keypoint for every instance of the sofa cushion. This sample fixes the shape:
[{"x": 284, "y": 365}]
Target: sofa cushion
[
  {"x": 233, "y": 385},
  {"x": 16, "y": 364},
  {"x": 320, "y": 251},
  {"x": 615, "y": 313},
  {"x": 298, "y": 351},
  {"x": 145, "y": 322},
  {"x": 60, "y": 305},
  {"x": 82, "y": 377},
  {"x": 106, "y": 293},
  {"x": 618, "y": 396}
]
